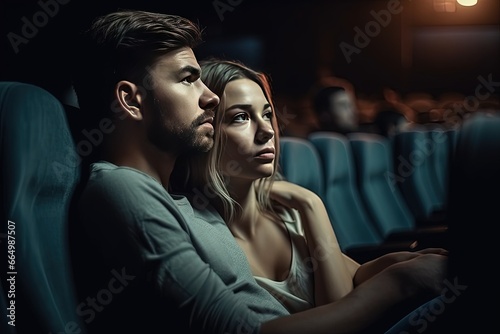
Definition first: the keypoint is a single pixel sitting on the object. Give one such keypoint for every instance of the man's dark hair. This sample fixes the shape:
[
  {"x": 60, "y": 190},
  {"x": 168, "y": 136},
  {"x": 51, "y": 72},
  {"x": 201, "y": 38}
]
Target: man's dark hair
[{"x": 121, "y": 46}]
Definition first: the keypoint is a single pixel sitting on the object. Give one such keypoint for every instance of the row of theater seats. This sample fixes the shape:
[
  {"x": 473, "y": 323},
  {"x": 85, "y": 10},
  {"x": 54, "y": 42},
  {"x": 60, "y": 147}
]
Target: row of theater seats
[{"x": 381, "y": 194}]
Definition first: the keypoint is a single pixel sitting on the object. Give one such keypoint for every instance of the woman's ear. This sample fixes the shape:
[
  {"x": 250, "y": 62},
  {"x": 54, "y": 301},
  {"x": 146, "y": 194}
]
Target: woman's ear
[{"x": 129, "y": 98}]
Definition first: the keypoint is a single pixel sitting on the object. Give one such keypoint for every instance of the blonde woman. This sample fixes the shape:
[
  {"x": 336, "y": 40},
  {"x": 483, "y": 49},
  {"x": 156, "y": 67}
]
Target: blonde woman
[{"x": 283, "y": 228}]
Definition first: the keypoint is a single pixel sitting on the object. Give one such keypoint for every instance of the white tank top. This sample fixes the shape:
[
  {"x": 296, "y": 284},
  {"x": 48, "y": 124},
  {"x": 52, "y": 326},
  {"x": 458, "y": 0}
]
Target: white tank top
[{"x": 296, "y": 292}]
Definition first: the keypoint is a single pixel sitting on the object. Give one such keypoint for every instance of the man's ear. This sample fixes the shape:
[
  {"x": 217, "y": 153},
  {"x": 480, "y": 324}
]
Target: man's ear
[{"x": 130, "y": 98}]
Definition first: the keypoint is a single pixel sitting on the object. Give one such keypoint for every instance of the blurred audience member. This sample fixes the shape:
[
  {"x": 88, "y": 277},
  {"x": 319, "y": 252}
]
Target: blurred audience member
[
  {"x": 336, "y": 110},
  {"x": 389, "y": 120}
]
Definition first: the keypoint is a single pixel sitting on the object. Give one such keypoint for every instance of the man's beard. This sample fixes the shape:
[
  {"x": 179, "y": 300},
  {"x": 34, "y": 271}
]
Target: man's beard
[{"x": 172, "y": 138}]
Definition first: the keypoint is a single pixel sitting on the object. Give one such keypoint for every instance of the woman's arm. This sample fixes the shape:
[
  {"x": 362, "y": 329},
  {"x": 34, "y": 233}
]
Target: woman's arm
[
  {"x": 333, "y": 277},
  {"x": 373, "y": 267},
  {"x": 420, "y": 276}
]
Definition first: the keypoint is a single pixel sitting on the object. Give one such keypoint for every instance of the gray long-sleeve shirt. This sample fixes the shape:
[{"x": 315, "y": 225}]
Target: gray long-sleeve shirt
[{"x": 190, "y": 270}]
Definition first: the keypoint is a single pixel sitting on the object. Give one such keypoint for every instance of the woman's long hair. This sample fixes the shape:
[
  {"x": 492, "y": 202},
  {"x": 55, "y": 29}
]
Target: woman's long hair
[{"x": 202, "y": 173}]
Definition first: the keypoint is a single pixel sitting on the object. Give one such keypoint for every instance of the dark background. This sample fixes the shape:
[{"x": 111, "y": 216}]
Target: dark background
[{"x": 294, "y": 41}]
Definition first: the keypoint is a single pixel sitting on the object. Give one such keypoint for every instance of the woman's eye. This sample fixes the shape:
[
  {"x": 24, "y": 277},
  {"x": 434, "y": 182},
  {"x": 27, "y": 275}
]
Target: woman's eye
[
  {"x": 268, "y": 115},
  {"x": 240, "y": 118}
]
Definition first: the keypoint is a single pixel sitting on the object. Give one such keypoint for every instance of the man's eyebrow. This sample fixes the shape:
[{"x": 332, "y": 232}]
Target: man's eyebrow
[{"x": 190, "y": 69}]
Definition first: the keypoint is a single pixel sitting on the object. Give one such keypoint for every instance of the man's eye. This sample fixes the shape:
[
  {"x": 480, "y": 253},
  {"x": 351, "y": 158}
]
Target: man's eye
[{"x": 189, "y": 79}]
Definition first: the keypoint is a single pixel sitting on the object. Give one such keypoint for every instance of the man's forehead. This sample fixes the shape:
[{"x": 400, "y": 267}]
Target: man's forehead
[{"x": 178, "y": 59}]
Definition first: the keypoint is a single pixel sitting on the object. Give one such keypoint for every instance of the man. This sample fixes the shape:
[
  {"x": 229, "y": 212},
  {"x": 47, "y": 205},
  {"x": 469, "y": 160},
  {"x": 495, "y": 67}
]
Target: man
[
  {"x": 160, "y": 109},
  {"x": 159, "y": 264}
]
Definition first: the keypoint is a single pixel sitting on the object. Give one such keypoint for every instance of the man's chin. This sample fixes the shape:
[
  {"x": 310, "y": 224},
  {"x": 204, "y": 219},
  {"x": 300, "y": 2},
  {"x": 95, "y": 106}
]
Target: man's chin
[{"x": 205, "y": 145}]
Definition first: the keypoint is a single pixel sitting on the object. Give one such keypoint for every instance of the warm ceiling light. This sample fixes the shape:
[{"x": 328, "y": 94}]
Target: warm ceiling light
[
  {"x": 467, "y": 2},
  {"x": 448, "y": 6}
]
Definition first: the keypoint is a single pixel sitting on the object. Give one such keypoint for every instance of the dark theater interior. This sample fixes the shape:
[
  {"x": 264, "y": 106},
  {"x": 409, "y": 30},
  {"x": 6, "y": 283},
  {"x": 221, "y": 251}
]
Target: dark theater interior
[{"x": 418, "y": 167}]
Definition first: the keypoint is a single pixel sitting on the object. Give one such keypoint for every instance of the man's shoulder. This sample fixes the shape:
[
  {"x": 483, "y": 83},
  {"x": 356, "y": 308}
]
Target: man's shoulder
[
  {"x": 111, "y": 179},
  {"x": 124, "y": 187},
  {"x": 122, "y": 196},
  {"x": 104, "y": 172}
]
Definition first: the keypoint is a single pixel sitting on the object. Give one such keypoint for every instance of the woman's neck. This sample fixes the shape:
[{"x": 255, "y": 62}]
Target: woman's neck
[{"x": 245, "y": 223}]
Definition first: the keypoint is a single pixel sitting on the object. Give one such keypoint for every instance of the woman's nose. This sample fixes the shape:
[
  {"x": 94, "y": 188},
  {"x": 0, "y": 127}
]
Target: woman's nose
[{"x": 265, "y": 132}]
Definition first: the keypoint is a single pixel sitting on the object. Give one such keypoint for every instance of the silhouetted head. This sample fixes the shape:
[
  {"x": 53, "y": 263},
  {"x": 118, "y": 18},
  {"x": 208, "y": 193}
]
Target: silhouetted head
[{"x": 335, "y": 109}]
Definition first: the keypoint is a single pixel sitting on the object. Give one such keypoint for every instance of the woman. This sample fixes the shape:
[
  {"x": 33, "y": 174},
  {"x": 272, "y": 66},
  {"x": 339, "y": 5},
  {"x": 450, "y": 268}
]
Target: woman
[{"x": 283, "y": 228}]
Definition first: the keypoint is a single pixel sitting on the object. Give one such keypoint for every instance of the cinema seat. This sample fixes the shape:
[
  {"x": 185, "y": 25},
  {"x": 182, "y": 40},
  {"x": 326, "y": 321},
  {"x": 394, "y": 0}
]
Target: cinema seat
[
  {"x": 378, "y": 188},
  {"x": 355, "y": 231},
  {"x": 301, "y": 164},
  {"x": 39, "y": 171},
  {"x": 413, "y": 150}
]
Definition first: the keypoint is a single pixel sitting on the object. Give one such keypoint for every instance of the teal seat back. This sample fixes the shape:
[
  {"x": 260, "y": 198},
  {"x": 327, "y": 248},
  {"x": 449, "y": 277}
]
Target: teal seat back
[
  {"x": 378, "y": 184},
  {"x": 301, "y": 164},
  {"x": 440, "y": 161},
  {"x": 413, "y": 150},
  {"x": 40, "y": 169},
  {"x": 348, "y": 215}
]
